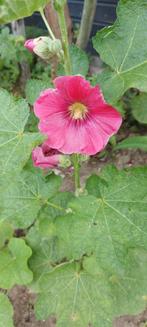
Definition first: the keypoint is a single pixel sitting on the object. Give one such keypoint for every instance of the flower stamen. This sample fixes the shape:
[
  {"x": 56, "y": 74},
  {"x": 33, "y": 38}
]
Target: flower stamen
[{"x": 78, "y": 110}]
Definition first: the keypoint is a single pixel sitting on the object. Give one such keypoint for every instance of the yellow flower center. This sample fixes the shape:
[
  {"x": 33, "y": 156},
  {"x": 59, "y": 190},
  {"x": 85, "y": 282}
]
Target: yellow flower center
[{"x": 78, "y": 110}]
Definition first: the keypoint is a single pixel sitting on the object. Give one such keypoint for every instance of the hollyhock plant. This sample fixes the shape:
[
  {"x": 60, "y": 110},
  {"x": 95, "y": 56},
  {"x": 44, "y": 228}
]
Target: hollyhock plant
[{"x": 75, "y": 116}]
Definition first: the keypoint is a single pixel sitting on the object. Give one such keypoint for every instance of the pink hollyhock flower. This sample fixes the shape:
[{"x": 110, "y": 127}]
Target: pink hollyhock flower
[
  {"x": 75, "y": 116},
  {"x": 44, "y": 157}
]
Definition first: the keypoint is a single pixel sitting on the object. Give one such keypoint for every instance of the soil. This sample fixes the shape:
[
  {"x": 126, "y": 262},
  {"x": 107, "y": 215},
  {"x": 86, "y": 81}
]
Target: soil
[{"x": 23, "y": 300}]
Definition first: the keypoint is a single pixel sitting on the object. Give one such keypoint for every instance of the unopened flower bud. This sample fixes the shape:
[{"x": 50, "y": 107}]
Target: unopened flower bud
[
  {"x": 45, "y": 47},
  {"x": 46, "y": 158}
]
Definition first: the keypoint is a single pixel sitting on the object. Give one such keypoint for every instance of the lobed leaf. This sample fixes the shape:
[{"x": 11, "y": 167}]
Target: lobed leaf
[
  {"x": 139, "y": 107},
  {"x": 33, "y": 89},
  {"x": 123, "y": 49},
  {"x": 85, "y": 294},
  {"x": 22, "y": 196},
  {"x": 6, "y": 311},
  {"x": 114, "y": 217},
  {"x": 90, "y": 262},
  {"x": 13, "y": 264},
  {"x": 15, "y": 9},
  {"x": 133, "y": 142},
  {"x": 15, "y": 145},
  {"x": 42, "y": 236}
]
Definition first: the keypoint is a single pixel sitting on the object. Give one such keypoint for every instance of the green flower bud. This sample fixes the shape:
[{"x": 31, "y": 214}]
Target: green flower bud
[
  {"x": 65, "y": 161},
  {"x": 45, "y": 47}
]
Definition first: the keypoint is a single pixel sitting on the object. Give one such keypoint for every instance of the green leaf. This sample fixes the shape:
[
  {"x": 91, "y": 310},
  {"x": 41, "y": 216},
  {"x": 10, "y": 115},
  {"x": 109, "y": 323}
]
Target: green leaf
[
  {"x": 6, "y": 232},
  {"x": 15, "y": 9},
  {"x": 33, "y": 89},
  {"x": 139, "y": 107},
  {"x": 42, "y": 257},
  {"x": 79, "y": 60},
  {"x": 79, "y": 295},
  {"x": 6, "y": 311},
  {"x": 13, "y": 264},
  {"x": 22, "y": 196},
  {"x": 15, "y": 145},
  {"x": 123, "y": 49},
  {"x": 114, "y": 217},
  {"x": 42, "y": 237},
  {"x": 133, "y": 142}
]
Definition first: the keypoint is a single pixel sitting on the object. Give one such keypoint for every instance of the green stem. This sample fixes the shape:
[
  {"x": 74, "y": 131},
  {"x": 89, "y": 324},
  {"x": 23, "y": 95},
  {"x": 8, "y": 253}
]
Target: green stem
[
  {"x": 46, "y": 23},
  {"x": 75, "y": 160},
  {"x": 55, "y": 206},
  {"x": 64, "y": 36},
  {"x": 86, "y": 22}
]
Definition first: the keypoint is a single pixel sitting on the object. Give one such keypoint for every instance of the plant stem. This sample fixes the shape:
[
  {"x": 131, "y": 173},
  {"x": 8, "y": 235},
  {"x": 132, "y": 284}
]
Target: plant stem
[
  {"x": 86, "y": 22},
  {"x": 46, "y": 23},
  {"x": 75, "y": 160},
  {"x": 64, "y": 36}
]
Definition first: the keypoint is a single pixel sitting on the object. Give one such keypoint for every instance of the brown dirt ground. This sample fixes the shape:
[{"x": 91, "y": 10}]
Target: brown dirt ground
[{"x": 23, "y": 300}]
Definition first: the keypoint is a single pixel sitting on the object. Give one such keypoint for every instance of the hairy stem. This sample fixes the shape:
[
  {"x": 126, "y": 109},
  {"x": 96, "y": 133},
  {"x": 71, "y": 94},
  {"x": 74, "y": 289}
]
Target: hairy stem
[
  {"x": 75, "y": 160},
  {"x": 86, "y": 22},
  {"x": 46, "y": 24},
  {"x": 64, "y": 36}
]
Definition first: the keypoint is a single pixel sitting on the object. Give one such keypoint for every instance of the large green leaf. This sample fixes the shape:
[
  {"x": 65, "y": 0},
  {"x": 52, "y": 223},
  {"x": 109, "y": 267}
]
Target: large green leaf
[
  {"x": 42, "y": 236},
  {"x": 22, "y": 196},
  {"x": 133, "y": 142},
  {"x": 109, "y": 220},
  {"x": 34, "y": 87},
  {"x": 83, "y": 294},
  {"x": 90, "y": 264},
  {"x": 6, "y": 312},
  {"x": 123, "y": 48},
  {"x": 13, "y": 264},
  {"x": 15, "y": 145},
  {"x": 139, "y": 107},
  {"x": 15, "y": 9}
]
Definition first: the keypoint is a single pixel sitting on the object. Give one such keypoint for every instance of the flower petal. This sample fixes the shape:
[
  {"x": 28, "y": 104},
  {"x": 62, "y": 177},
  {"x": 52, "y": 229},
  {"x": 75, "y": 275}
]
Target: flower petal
[
  {"x": 49, "y": 102},
  {"x": 73, "y": 88}
]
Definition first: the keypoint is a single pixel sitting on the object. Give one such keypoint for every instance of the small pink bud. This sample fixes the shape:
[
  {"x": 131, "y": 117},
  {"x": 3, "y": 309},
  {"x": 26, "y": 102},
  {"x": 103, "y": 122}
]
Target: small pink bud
[{"x": 29, "y": 44}]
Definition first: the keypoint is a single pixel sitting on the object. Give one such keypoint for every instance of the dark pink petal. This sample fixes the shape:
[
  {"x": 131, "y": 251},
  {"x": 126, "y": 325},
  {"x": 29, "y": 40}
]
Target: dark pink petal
[{"x": 73, "y": 88}]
